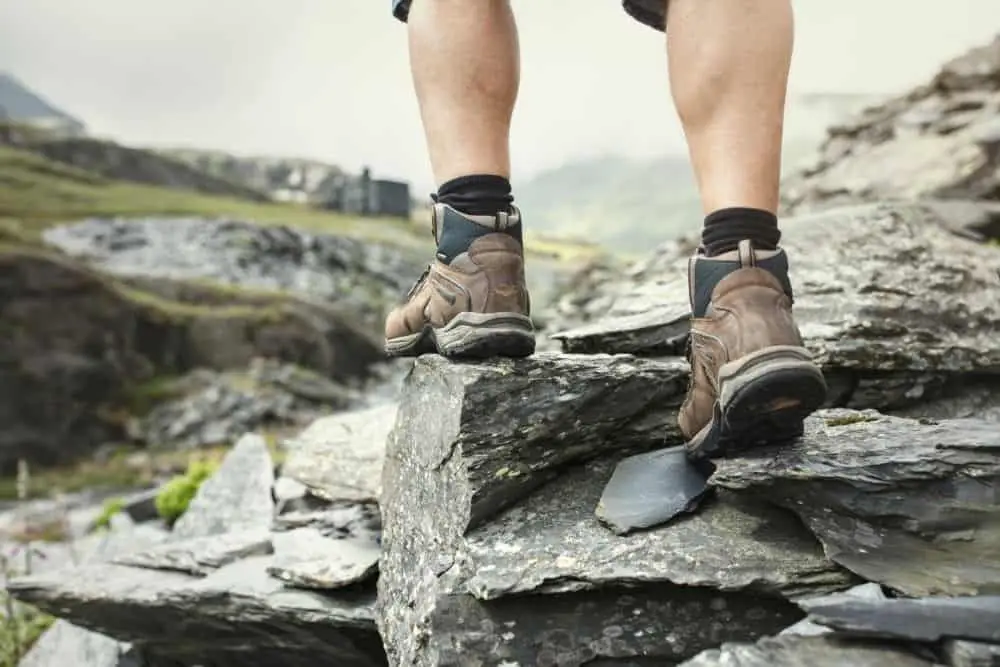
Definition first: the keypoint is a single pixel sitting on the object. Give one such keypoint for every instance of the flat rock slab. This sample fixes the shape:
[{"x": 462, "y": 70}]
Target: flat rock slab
[
  {"x": 963, "y": 653},
  {"x": 235, "y": 609},
  {"x": 201, "y": 555},
  {"x": 480, "y": 436},
  {"x": 914, "y": 505},
  {"x": 651, "y": 489},
  {"x": 544, "y": 581},
  {"x": 660, "y": 331},
  {"x": 340, "y": 457},
  {"x": 807, "y": 628},
  {"x": 236, "y": 498},
  {"x": 807, "y": 652},
  {"x": 65, "y": 644},
  {"x": 305, "y": 558},
  {"x": 898, "y": 291},
  {"x": 975, "y": 618}
]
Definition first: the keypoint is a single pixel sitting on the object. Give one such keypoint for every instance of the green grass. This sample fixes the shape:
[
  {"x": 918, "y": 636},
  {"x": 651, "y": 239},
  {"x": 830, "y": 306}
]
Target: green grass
[{"x": 36, "y": 193}]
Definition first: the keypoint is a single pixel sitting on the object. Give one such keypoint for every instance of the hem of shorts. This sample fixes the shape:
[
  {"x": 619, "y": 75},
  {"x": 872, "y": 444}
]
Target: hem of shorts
[{"x": 654, "y": 20}]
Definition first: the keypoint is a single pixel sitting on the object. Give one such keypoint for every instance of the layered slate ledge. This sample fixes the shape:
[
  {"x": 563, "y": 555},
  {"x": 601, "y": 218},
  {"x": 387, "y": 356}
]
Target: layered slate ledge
[
  {"x": 491, "y": 548},
  {"x": 230, "y": 585},
  {"x": 899, "y": 310},
  {"x": 911, "y": 504}
]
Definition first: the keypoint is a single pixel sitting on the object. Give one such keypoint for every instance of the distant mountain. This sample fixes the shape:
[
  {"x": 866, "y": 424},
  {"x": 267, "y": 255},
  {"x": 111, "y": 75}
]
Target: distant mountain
[
  {"x": 629, "y": 205},
  {"x": 20, "y": 105}
]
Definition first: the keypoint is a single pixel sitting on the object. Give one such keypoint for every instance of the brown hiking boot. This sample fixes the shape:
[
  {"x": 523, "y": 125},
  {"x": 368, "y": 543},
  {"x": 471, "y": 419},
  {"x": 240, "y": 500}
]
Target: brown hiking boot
[
  {"x": 752, "y": 381},
  {"x": 472, "y": 301}
]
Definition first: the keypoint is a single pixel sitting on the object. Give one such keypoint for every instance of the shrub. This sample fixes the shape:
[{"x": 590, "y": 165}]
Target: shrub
[{"x": 175, "y": 496}]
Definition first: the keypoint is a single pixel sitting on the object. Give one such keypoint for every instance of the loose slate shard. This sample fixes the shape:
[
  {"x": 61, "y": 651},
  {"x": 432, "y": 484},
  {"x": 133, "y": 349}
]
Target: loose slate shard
[
  {"x": 914, "y": 505},
  {"x": 237, "y": 497},
  {"x": 651, "y": 489},
  {"x": 805, "y": 627},
  {"x": 655, "y": 331},
  {"x": 201, "y": 555},
  {"x": 806, "y": 652},
  {"x": 975, "y": 618},
  {"x": 340, "y": 457},
  {"x": 304, "y": 558}
]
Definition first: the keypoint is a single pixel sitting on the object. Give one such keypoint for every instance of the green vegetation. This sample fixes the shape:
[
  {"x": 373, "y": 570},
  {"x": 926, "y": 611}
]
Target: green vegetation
[
  {"x": 36, "y": 193},
  {"x": 175, "y": 496},
  {"x": 20, "y": 630},
  {"x": 112, "y": 506}
]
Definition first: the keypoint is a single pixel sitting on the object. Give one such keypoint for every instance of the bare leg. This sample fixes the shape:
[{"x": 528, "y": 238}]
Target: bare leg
[
  {"x": 729, "y": 62},
  {"x": 466, "y": 71},
  {"x": 473, "y": 299}
]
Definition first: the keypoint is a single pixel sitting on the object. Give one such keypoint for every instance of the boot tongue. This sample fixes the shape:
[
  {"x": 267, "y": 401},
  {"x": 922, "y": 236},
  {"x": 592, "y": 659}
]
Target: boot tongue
[{"x": 704, "y": 273}]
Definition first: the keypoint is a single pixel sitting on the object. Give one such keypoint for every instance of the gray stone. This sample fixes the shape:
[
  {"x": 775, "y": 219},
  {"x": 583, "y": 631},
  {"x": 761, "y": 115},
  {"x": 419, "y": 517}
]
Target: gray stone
[
  {"x": 340, "y": 457},
  {"x": 236, "y": 609},
  {"x": 480, "y": 436},
  {"x": 807, "y": 651},
  {"x": 807, "y": 628},
  {"x": 237, "y": 497},
  {"x": 963, "y": 653},
  {"x": 927, "y": 619},
  {"x": 650, "y": 489},
  {"x": 936, "y": 140},
  {"x": 201, "y": 555},
  {"x": 66, "y": 644},
  {"x": 897, "y": 293},
  {"x": 656, "y": 331},
  {"x": 305, "y": 558},
  {"x": 363, "y": 275},
  {"x": 544, "y": 580},
  {"x": 339, "y": 520},
  {"x": 913, "y": 505}
]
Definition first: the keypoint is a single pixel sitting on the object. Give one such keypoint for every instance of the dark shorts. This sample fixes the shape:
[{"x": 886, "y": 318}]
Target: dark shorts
[{"x": 650, "y": 12}]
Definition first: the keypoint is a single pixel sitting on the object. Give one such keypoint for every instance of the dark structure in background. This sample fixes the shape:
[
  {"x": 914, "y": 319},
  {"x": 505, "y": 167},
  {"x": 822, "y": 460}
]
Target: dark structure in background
[{"x": 367, "y": 196}]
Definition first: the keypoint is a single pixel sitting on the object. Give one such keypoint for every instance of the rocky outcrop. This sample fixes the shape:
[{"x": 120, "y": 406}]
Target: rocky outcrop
[
  {"x": 940, "y": 140},
  {"x": 74, "y": 343},
  {"x": 538, "y": 511},
  {"x": 232, "y": 583},
  {"x": 899, "y": 310},
  {"x": 362, "y": 277}
]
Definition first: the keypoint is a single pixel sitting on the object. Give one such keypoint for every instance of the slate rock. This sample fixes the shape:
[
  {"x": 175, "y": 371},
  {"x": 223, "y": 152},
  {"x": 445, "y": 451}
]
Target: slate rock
[
  {"x": 201, "y": 555},
  {"x": 650, "y": 489},
  {"x": 65, "y": 644},
  {"x": 545, "y": 581},
  {"x": 339, "y": 520},
  {"x": 305, "y": 558},
  {"x": 340, "y": 457},
  {"x": 975, "y": 618},
  {"x": 805, "y": 627},
  {"x": 656, "y": 331},
  {"x": 963, "y": 653},
  {"x": 234, "y": 610},
  {"x": 483, "y": 435},
  {"x": 899, "y": 306},
  {"x": 237, "y": 497},
  {"x": 811, "y": 651},
  {"x": 913, "y": 505},
  {"x": 935, "y": 140}
]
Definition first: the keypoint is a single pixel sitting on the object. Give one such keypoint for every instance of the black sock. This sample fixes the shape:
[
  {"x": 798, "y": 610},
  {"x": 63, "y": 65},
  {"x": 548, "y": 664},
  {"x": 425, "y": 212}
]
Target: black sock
[
  {"x": 479, "y": 194},
  {"x": 725, "y": 228}
]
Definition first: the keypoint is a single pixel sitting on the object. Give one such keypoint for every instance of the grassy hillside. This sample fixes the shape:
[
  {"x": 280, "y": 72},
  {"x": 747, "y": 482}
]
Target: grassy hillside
[{"x": 36, "y": 192}]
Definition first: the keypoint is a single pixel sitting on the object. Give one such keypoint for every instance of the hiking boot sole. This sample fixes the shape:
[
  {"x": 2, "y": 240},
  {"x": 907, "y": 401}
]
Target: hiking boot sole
[
  {"x": 764, "y": 399},
  {"x": 470, "y": 336}
]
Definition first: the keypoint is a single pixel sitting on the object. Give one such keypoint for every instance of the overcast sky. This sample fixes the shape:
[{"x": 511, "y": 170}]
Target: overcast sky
[{"x": 329, "y": 78}]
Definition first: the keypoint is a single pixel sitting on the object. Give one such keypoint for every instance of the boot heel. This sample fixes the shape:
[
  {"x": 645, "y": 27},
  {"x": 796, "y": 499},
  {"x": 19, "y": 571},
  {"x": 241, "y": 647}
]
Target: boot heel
[
  {"x": 484, "y": 335},
  {"x": 764, "y": 398}
]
